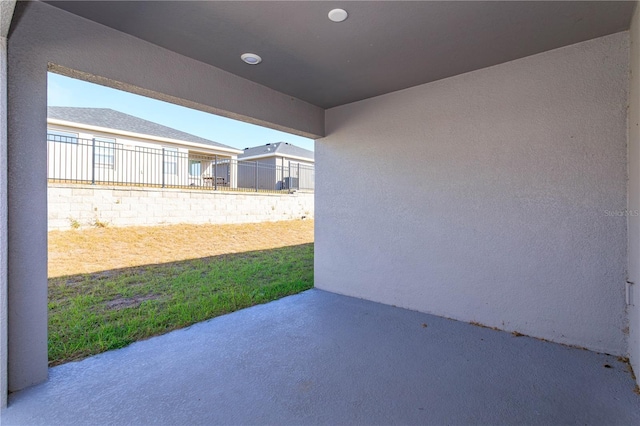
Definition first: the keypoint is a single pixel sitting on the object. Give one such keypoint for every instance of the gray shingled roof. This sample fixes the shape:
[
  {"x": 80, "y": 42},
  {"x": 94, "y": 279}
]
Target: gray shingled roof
[
  {"x": 283, "y": 149},
  {"x": 109, "y": 118}
]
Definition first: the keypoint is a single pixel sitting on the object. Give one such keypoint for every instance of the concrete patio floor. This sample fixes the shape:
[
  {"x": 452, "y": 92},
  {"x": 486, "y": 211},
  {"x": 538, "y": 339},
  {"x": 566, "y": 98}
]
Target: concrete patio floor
[{"x": 319, "y": 357}]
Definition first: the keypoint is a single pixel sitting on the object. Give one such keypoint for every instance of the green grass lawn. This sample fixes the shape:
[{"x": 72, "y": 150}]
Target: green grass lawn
[{"x": 93, "y": 313}]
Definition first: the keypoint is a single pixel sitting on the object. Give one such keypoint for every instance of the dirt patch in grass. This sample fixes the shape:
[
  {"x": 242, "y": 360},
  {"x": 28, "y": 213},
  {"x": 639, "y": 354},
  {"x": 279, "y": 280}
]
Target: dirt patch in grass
[
  {"x": 92, "y": 250},
  {"x": 129, "y": 302}
]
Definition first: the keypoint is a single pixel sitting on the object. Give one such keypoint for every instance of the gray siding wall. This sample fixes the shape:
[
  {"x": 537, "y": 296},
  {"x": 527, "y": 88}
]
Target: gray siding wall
[
  {"x": 265, "y": 178},
  {"x": 503, "y": 206}
]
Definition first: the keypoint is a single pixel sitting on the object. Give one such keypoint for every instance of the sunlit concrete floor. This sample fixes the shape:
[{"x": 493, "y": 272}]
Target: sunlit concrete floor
[{"x": 319, "y": 357}]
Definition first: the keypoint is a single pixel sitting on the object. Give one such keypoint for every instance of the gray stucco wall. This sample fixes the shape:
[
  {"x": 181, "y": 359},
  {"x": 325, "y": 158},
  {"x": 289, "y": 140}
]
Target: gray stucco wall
[
  {"x": 3, "y": 223},
  {"x": 500, "y": 198},
  {"x": 43, "y": 35},
  {"x": 6, "y": 13},
  {"x": 633, "y": 308}
]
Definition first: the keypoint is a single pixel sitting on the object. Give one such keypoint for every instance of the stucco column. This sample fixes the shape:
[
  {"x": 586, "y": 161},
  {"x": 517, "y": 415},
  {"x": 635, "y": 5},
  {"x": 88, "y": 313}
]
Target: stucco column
[
  {"x": 6, "y": 13},
  {"x": 27, "y": 216},
  {"x": 633, "y": 198},
  {"x": 3, "y": 222}
]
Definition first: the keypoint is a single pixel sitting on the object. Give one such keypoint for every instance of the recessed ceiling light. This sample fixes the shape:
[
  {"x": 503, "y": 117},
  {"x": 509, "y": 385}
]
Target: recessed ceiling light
[
  {"x": 338, "y": 15},
  {"x": 251, "y": 58}
]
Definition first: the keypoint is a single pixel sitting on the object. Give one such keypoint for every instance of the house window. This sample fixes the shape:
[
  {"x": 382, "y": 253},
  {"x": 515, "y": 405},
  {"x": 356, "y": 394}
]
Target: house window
[
  {"x": 195, "y": 168},
  {"x": 105, "y": 152},
  {"x": 60, "y": 136},
  {"x": 170, "y": 161}
]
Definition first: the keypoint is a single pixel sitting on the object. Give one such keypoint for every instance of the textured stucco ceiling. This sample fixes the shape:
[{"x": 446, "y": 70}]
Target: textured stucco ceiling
[{"x": 382, "y": 46}]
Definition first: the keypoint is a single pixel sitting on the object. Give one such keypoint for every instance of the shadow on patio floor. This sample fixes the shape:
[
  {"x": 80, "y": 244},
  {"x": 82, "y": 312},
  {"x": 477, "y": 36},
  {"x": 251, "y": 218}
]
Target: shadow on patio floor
[{"x": 318, "y": 357}]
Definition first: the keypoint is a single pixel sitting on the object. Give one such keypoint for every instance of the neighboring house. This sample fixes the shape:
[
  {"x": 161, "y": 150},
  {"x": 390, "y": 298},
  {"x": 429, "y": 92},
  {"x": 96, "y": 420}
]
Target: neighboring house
[
  {"x": 108, "y": 146},
  {"x": 279, "y": 165}
]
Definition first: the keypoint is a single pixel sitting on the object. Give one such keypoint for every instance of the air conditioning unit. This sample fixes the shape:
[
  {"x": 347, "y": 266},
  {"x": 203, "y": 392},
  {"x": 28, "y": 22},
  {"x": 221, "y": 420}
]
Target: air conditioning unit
[{"x": 291, "y": 183}]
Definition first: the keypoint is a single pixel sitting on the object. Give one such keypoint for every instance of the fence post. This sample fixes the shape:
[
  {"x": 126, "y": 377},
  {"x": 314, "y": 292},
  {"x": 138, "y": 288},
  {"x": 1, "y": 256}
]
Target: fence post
[
  {"x": 163, "y": 154},
  {"x": 215, "y": 173},
  {"x": 256, "y": 176},
  {"x": 298, "y": 176},
  {"x": 93, "y": 161}
]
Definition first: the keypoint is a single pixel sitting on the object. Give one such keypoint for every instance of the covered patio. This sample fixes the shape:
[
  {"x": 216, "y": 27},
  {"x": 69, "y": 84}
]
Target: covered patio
[
  {"x": 478, "y": 161},
  {"x": 323, "y": 358}
]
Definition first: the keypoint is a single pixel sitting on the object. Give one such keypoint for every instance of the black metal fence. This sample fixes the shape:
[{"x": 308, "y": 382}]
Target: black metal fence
[{"x": 96, "y": 161}]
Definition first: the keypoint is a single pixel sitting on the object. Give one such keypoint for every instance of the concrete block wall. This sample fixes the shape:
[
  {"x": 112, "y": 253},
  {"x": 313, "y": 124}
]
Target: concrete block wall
[{"x": 127, "y": 206}]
